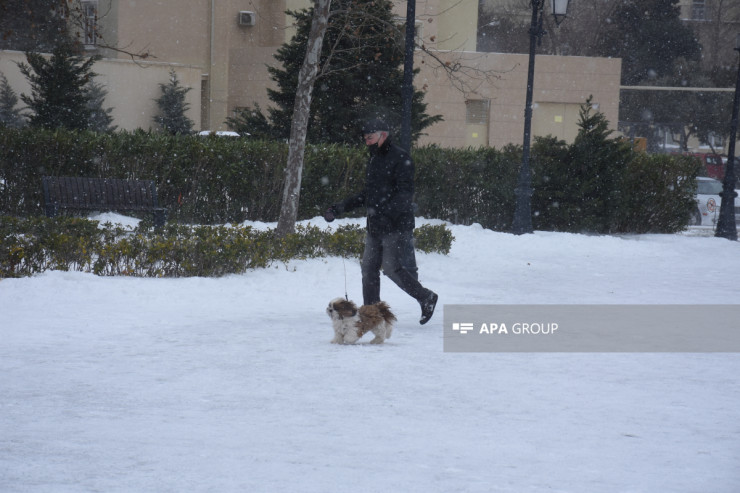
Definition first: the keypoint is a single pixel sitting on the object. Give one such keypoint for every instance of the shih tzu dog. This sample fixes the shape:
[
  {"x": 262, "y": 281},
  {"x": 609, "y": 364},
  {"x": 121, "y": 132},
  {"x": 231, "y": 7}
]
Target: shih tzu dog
[{"x": 351, "y": 323}]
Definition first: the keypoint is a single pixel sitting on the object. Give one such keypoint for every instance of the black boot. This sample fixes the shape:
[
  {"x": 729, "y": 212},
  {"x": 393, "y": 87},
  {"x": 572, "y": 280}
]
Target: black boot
[{"x": 427, "y": 307}]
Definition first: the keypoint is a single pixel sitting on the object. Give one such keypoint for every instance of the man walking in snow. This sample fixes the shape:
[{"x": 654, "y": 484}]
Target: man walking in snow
[{"x": 388, "y": 198}]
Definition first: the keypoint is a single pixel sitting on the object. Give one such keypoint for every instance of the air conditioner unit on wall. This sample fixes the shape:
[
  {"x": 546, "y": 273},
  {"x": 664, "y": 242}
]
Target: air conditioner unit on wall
[{"x": 247, "y": 18}]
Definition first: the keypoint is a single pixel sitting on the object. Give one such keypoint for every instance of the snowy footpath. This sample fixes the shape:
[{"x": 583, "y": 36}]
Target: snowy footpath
[{"x": 231, "y": 385}]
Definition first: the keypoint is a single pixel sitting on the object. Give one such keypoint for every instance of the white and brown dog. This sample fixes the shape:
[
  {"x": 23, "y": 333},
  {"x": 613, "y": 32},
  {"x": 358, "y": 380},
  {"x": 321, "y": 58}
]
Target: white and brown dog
[{"x": 351, "y": 323}]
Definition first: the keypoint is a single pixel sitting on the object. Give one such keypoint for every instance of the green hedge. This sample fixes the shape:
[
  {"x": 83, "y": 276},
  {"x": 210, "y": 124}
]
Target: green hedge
[
  {"x": 661, "y": 194},
  {"x": 201, "y": 180},
  {"x": 30, "y": 246},
  {"x": 467, "y": 186},
  {"x": 632, "y": 192},
  {"x": 217, "y": 180}
]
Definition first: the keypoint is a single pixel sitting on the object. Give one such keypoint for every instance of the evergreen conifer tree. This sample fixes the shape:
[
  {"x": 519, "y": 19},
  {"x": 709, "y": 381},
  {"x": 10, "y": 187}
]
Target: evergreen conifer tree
[
  {"x": 172, "y": 107},
  {"x": 598, "y": 175},
  {"x": 100, "y": 118},
  {"x": 10, "y": 116},
  {"x": 360, "y": 77},
  {"x": 59, "y": 97},
  {"x": 582, "y": 190},
  {"x": 649, "y": 36},
  {"x": 32, "y": 25}
]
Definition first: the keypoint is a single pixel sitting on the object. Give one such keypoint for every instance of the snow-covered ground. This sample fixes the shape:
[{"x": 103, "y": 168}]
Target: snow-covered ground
[{"x": 231, "y": 385}]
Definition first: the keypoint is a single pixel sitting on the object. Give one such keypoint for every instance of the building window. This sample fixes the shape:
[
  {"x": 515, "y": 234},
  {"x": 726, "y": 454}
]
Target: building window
[
  {"x": 715, "y": 141},
  {"x": 477, "y": 111},
  {"x": 90, "y": 22},
  {"x": 670, "y": 140},
  {"x": 698, "y": 10}
]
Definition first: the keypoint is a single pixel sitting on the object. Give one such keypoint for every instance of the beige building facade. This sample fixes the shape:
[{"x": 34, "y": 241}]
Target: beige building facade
[
  {"x": 221, "y": 48},
  {"x": 493, "y": 113}
]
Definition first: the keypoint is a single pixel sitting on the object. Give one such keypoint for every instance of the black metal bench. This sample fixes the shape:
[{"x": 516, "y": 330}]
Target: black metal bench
[{"x": 101, "y": 194}]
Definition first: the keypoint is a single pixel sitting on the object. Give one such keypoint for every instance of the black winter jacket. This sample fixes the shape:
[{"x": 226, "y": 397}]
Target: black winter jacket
[{"x": 389, "y": 191}]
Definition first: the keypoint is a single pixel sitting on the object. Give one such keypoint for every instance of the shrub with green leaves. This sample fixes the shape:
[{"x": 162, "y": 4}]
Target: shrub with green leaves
[
  {"x": 30, "y": 246},
  {"x": 467, "y": 186},
  {"x": 596, "y": 184},
  {"x": 659, "y": 194},
  {"x": 599, "y": 184}
]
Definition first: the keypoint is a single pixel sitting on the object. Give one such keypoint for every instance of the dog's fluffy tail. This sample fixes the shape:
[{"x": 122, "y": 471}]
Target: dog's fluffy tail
[{"x": 385, "y": 312}]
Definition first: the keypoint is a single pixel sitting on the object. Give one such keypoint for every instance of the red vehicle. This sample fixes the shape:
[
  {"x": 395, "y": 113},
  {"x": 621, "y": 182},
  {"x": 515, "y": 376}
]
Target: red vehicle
[{"x": 712, "y": 164}]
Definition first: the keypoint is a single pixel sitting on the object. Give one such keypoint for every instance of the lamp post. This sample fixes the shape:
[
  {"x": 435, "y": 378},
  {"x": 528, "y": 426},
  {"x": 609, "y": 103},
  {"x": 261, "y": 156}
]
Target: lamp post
[
  {"x": 523, "y": 211},
  {"x": 726, "y": 227},
  {"x": 407, "y": 88}
]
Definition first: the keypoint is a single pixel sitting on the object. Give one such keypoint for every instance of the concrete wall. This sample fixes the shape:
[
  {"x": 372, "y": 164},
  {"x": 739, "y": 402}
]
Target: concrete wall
[
  {"x": 502, "y": 79},
  {"x": 445, "y": 24}
]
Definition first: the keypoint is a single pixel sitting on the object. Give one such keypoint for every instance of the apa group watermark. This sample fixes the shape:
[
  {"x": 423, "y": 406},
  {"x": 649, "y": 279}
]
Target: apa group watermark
[
  {"x": 501, "y": 328},
  {"x": 591, "y": 328}
]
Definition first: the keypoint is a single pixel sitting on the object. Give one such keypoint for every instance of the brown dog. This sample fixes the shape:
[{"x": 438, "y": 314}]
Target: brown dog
[{"x": 350, "y": 324}]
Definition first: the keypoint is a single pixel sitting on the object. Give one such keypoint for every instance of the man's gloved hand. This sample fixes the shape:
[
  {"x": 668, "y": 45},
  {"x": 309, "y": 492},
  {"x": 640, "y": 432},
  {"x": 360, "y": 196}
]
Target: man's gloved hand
[{"x": 331, "y": 213}]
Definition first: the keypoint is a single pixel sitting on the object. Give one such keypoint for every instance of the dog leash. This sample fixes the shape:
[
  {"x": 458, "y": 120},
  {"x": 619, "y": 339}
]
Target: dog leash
[{"x": 346, "y": 296}]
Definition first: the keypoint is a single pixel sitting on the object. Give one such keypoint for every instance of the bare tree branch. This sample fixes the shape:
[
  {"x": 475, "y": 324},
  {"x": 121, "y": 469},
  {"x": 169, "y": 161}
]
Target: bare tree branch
[{"x": 464, "y": 76}]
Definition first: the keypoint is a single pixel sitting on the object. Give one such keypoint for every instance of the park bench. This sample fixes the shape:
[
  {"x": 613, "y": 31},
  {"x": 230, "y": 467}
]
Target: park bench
[{"x": 101, "y": 194}]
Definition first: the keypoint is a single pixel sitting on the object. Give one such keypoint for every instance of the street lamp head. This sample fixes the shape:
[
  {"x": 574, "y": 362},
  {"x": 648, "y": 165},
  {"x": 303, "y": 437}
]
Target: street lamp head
[{"x": 559, "y": 10}]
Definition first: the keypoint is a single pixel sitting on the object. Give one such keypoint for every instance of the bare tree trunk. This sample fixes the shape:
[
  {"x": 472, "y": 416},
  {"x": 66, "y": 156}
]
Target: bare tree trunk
[{"x": 301, "y": 113}]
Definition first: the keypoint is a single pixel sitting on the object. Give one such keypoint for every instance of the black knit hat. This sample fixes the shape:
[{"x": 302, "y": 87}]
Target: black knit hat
[{"x": 374, "y": 125}]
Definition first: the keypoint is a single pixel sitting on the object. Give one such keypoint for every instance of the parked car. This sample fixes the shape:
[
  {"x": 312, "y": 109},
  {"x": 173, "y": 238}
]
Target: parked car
[
  {"x": 713, "y": 165},
  {"x": 220, "y": 133},
  {"x": 708, "y": 202}
]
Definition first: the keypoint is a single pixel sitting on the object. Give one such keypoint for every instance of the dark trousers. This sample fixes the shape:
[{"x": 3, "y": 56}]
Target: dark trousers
[{"x": 394, "y": 252}]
